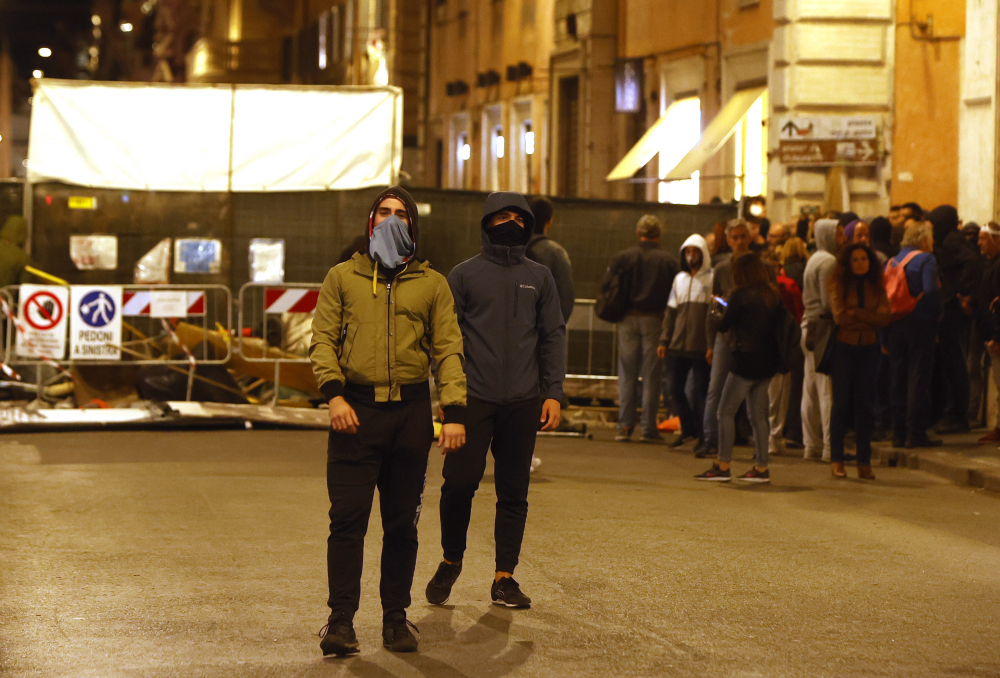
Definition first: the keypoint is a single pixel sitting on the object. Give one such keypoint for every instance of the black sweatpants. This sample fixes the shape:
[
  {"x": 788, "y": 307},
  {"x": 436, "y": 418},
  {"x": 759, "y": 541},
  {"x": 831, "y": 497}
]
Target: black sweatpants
[
  {"x": 509, "y": 430},
  {"x": 389, "y": 451}
]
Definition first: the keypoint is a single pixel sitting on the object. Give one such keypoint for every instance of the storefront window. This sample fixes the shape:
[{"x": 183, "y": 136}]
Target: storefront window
[
  {"x": 751, "y": 151},
  {"x": 683, "y": 122}
]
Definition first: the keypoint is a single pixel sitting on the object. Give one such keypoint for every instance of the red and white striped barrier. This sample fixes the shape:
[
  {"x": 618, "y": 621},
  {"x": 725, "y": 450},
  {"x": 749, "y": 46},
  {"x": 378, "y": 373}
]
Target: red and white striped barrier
[
  {"x": 292, "y": 300},
  {"x": 137, "y": 303}
]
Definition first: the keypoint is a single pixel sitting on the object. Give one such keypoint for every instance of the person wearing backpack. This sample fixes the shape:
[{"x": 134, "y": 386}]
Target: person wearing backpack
[
  {"x": 755, "y": 316},
  {"x": 645, "y": 274},
  {"x": 860, "y": 308},
  {"x": 915, "y": 302}
]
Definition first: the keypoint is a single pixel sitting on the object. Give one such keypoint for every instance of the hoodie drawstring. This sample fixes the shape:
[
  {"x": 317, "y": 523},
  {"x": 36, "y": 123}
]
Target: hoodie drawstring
[{"x": 374, "y": 279}]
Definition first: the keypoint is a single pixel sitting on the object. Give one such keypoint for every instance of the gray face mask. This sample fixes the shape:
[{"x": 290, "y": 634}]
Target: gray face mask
[{"x": 391, "y": 243}]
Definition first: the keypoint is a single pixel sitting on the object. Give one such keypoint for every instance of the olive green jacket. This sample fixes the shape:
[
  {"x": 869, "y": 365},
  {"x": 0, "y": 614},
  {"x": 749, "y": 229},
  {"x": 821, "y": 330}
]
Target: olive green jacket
[{"x": 388, "y": 337}]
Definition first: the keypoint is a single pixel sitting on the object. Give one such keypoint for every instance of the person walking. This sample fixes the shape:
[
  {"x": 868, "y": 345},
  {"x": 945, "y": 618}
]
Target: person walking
[
  {"x": 754, "y": 315},
  {"x": 382, "y": 319},
  {"x": 816, "y": 388},
  {"x": 860, "y": 309},
  {"x": 912, "y": 336},
  {"x": 515, "y": 356},
  {"x": 648, "y": 270},
  {"x": 684, "y": 336}
]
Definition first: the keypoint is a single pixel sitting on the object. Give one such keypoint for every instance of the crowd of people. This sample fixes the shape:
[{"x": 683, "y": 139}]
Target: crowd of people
[{"x": 895, "y": 323}]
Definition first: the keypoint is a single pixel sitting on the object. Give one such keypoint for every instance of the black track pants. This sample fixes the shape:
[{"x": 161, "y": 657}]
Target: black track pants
[
  {"x": 511, "y": 429},
  {"x": 389, "y": 451}
]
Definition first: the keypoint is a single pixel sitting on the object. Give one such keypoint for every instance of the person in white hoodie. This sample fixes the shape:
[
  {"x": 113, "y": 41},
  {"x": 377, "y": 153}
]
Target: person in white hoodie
[
  {"x": 685, "y": 335},
  {"x": 817, "y": 392}
]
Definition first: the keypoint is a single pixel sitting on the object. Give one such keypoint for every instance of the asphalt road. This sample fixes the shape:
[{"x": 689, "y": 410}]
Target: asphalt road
[{"x": 202, "y": 554}]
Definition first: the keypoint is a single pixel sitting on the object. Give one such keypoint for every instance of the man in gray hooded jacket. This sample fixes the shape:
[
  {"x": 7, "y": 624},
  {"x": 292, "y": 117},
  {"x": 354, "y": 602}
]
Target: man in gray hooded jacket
[
  {"x": 817, "y": 392},
  {"x": 515, "y": 355}
]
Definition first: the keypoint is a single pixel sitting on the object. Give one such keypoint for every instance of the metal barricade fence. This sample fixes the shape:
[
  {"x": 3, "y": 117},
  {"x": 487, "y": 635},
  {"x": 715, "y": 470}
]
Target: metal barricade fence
[
  {"x": 202, "y": 335},
  {"x": 278, "y": 318},
  {"x": 591, "y": 344}
]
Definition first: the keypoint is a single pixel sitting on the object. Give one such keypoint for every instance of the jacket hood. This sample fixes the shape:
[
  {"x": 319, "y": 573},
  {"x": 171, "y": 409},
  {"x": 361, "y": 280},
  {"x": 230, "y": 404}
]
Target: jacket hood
[
  {"x": 404, "y": 196},
  {"x": 698, "y": 241},
  {"x": 503, "y": 200},
  {"x": 15, "y": 231},
  {"x": 944, "y": 219},
  {"x": 826, "y": 235}
]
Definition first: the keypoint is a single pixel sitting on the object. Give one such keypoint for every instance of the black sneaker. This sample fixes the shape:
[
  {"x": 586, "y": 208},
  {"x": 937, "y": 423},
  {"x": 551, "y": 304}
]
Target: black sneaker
[
  {"x": 508, "y": 593},
  {"x": 715, "y": 473},
  {"x": 439, "y": 587},
  {"x": 338, "y": 637},
  {"x": 680, "y": 440},
  {"x": 396, "y": 634},
  {"x": 755, "y": 476}
]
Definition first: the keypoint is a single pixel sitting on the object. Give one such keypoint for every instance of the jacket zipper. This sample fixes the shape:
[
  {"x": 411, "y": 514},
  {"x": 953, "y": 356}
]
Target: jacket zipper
[
  {"x": 506, "y": 300},
  {"x": 388, "y": 332},
  {"x": 517, "y": 290}
]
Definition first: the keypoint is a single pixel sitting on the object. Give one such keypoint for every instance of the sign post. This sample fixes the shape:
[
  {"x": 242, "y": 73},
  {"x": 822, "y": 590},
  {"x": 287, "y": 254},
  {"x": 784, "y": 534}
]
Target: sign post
[
  {"x": 96, "y": 327},
  {"x": 41, "y": 330}
]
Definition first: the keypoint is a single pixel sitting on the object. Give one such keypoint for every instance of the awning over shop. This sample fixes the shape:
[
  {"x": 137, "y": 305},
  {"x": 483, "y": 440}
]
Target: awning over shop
[
  {"x": 712, "y": 139},
  {"x": 214, "y": 137},
  {"x": 716, "y": 134}
]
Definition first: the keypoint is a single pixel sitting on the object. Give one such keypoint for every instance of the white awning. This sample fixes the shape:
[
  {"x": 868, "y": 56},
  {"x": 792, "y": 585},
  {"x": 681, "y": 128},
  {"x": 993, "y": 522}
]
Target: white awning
[
  {"x": 712, "y": 139},
  {"x": 716, "y": 134},
  {"x": 644, "y": 150},
  {"x": 214, "y": 137}
]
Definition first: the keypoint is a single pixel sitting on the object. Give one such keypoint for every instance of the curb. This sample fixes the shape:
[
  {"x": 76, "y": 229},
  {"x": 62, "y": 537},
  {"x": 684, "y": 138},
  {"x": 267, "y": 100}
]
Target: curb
[{"x": 959, "y": 469}]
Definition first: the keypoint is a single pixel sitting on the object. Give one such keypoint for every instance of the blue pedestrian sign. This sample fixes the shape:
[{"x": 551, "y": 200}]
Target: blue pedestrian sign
[
  {"x": 97, "y": 309},
  {"x": 95, "y": 330}
]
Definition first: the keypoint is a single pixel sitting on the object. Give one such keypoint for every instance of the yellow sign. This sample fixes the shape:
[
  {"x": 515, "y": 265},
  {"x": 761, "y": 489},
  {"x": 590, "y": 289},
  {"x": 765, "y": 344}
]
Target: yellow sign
[{"x": 78, "y": 202}]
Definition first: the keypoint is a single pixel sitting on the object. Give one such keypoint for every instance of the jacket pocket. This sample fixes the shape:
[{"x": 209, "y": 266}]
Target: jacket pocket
[
  {"x": 525, "y": 297},
  {"x": 359, "y": 354}
]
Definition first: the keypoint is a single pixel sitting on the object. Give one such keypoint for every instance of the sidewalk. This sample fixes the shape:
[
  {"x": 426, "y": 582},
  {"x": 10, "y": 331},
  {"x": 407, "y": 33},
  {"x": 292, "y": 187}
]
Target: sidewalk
[{"x": 961, "y": 460}]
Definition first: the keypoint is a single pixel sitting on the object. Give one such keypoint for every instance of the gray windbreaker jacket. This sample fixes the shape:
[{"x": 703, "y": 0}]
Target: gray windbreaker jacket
[
  {"x": 685, "y": 321},
  {"x": 815, "y": 292},
  {"x": 508, "y": 311}
]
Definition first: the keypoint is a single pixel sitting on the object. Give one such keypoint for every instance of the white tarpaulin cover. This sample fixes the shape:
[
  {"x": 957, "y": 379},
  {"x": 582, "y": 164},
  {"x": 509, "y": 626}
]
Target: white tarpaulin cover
[{"x": 214, "y": 137}]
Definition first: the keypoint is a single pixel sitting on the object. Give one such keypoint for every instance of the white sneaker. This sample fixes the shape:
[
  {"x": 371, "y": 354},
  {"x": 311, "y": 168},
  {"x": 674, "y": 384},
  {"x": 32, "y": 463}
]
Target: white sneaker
[{"x": 535, "y": 463}]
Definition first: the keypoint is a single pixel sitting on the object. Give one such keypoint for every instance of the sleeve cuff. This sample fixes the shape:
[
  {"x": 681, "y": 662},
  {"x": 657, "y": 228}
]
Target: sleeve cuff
[
  {"x": 454, "y": 414},
  {"x": 332, "y": 389},
  {"x": 554, "y": 394}
]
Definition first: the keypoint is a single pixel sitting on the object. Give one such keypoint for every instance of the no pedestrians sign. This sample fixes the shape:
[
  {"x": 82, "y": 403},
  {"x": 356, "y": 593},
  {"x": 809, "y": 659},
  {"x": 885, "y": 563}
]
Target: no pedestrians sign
[
  {"x": 41, "y": 332},
  {"x": 96, "y": 326}
]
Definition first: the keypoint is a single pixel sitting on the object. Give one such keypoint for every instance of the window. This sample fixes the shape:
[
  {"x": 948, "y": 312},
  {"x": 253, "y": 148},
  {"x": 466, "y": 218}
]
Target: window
[
  {"x": 751, "y": 151},
  {"x": 684, "y": 124}
]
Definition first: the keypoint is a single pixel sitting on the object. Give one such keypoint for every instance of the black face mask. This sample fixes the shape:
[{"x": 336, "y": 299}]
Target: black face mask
[{"x": 508, "y": 234}]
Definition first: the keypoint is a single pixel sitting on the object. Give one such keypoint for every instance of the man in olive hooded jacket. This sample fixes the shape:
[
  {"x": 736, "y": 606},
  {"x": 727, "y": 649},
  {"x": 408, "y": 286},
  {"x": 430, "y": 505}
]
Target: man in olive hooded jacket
[{"x": 381, "y": 318}]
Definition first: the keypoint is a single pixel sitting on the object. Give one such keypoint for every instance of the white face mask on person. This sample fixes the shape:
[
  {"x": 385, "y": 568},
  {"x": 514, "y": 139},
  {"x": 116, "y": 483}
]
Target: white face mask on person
[
  {"x": 693, "y": 260},
  {"x": 391, "y": 243}
]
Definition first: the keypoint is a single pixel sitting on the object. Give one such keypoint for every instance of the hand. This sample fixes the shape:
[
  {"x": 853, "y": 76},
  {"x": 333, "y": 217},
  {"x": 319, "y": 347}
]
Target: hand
[
  {"x": 452, "y": 437},
  {"x": 710, "y": 355},
  {"x": 551, "y": 414},
  {"x": 661, "y": 352},
  {"x": 343, "y": 418},
  {"x": 441, "y": 414},
  {"x": 966, "y": 302}
]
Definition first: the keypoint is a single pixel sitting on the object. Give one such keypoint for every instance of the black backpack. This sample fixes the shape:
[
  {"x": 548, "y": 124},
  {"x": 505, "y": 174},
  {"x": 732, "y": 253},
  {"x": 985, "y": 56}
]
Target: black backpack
[{"x": 613, "y": 301}]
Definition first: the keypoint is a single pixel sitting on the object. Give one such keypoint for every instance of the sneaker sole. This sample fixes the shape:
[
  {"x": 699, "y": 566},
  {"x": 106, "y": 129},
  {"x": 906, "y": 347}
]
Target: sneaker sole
[
  {"x": 443, "y": 602},
  {"x": 716, "y": 480},
  {"x": 500, "y": 603},
  {"x": 338, "y": 650},
  {"x": 756, "y": 480}
]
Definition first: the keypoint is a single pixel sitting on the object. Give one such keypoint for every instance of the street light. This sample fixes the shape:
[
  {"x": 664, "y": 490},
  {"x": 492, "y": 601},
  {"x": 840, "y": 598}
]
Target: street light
[
  {"x": 44, "y": 52},
  {"x": 36, "y": 74},
  {"x": 126, "y": 27}
]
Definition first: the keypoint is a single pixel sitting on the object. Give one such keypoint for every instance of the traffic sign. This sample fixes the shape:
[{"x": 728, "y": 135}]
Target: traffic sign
[
  {"x": 828, "y": 140},
  {"x": 41, "y": 331},
  {"x": 96, "y": 326}
]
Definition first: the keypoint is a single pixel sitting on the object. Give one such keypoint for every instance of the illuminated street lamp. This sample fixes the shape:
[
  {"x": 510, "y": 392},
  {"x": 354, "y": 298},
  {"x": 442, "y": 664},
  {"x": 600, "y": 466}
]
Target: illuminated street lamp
[
  {"x": 36, "y": 74},
  {"x": 126, "y": 27},
  {"x": 44, "y": 52}
]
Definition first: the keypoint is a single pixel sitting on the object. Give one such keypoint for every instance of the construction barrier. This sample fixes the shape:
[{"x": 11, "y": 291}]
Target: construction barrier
[
  {"x": 111, "y": 325},
  {"x": 275, "y": 328}
]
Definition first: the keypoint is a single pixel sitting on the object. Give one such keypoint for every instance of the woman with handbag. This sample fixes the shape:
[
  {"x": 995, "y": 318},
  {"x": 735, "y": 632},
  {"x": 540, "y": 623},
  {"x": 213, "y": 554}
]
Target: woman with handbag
[
  {"x": 754, "y": 314},
  {"x": 860, "y": 308}
]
